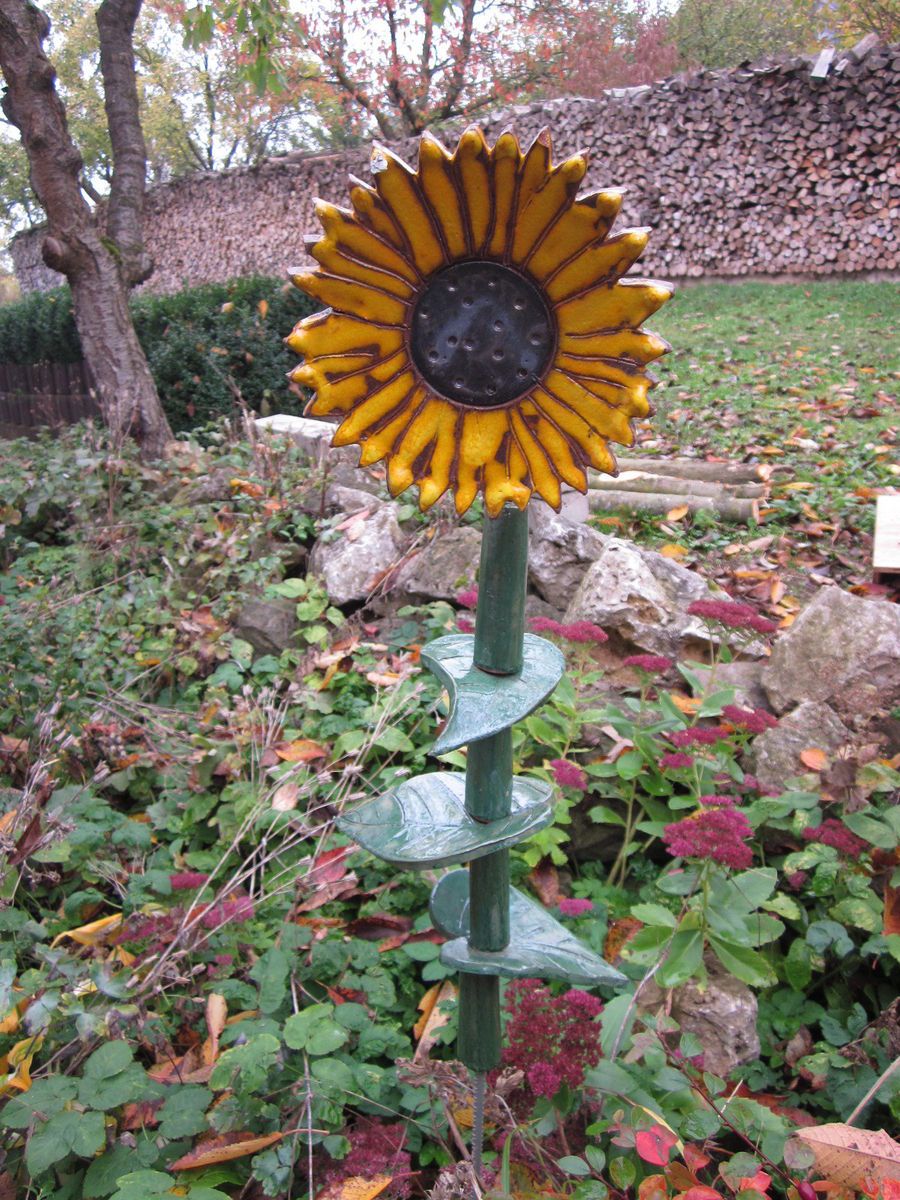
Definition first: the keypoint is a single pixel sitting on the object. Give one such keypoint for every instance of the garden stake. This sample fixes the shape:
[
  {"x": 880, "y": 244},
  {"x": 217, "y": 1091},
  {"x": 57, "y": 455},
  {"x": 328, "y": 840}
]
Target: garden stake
[{"x": 479, "y": 339}]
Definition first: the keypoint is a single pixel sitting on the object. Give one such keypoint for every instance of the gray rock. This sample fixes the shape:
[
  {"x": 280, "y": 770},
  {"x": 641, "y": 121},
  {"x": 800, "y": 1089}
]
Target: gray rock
[
  {"x": 776, "y": 753},
  {"x": 444, "y": 567},
  {"x": 744, "y": 677},
  {"x": 721, "y": 1013},
  {"x": 347, "y": 499},
  {"x": 353, "y": 564},
  {"x": 642, "y": 598},
  {"x": 268, "y": 625},
  {"x": 559, "y": 553},
  {"x": 843, "y": 651}
]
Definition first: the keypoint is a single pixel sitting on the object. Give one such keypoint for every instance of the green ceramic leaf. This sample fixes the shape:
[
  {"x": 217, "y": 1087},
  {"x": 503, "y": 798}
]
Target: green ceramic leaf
[
  {"x": 424, "y": 823},
  {"x": 482, "y": 704},
  {"x": 538, "y": 945}
]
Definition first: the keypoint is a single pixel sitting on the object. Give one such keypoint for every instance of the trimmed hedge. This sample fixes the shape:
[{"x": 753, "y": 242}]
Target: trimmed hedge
[{"x": 202, "y": 343}]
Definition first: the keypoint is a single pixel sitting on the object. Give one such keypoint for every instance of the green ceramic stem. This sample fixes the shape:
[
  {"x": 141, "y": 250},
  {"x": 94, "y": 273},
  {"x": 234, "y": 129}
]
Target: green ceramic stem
[
  {"x": 499, "y": 630},
  {"x": 500, "y": 620}
]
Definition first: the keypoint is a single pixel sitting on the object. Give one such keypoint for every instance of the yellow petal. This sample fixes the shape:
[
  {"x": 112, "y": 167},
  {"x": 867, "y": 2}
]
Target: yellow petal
[
  {"x": 378, "y": 407},
  {"x": 338, "y": 263},
  {"x": 376, "y": 216},
  {"x": 326, "y": 333},
  {"x": 399, "y": 188},
  {"x": 544, "y": 478},
  {"x": 504, "y": 478},
  {"x": 609, "y": 420},
  {"x": 482, "y": 433},
  {"x": 505, "y": 163},
  {"x": 436, "y": 479},
  {"x": 589, "y": 220},
  {"x": 559, "y": 449},
  {"x": 436, "y": 178},
  {"x": 341, "y": 394},
  {"x": 538, "y": 216},
  {"x": 471, "y": 161},
  {"x": 612, "y": 370},
  {"x": 598, "y": 264},
  {"x": 352, "y": 298},
  {"x": 465, "y": 487},
  {"x": 378, "y": 445},
  {"x": 628, "y": 303},
  {"x": 532, "y": 173},
  {"x": 628, "y": 395},
  {"x": 590, "y": 443},
  {"x": 344, "y": 231},
  {"x": 417, "y": 437},
  {"x": 638, "y": 344}
]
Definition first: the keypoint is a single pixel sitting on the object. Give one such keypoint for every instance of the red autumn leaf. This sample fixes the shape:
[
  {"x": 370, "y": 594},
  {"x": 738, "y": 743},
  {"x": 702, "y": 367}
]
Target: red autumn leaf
[
  {"x": 330, "y": 866},
  {"x": 700, "y": 1192},
  {"x": 654, "y": 1187},
  {"x": 545, "y": 881},
  {"x": 376, "y": 926},
  {"x": 891, "y": 910},
  {"x": 654, "y": 1144},
  {"x": 695, "y": 1158},
  {"x": 303, "y": 750}
]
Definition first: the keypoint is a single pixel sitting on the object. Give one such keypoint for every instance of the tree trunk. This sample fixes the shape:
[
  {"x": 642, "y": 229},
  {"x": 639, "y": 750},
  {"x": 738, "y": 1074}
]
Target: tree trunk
[
  {"x": 125, "y": 211},
  {"x": 74, "y": 245}
]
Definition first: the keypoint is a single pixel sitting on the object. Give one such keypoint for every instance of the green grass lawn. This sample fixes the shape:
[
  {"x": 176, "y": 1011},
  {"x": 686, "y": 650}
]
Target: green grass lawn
[{"x": 804, "y": 376}]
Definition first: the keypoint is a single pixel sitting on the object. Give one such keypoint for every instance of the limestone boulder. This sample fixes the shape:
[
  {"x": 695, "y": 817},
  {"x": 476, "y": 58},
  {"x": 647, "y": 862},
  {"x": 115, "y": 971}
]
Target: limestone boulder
[
  {"x": 776, "y": 753},
  {"x": 843, "y": 651},
  {"x": 444, "y": 566},
  {"x": 268, "y": 625},
  {"x": 721, "y": 1013},
  {"x": 559, "y": 553},
  {"x": 352, "y": 561},
  {"x": 641, "y": 599}
]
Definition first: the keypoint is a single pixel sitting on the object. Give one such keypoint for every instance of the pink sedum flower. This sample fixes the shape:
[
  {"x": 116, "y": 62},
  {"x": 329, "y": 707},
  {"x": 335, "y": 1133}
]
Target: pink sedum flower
[
  {"x": 833, "y": 832},
  {"x": 567, "y": 774},
  {"x": 652, "y": 664},
  {"x": 571, "y": 906},
  {"x": 754, "y": 720},
  {"x": 676, "y": 761},
  {"x": 697, "y": 735},
  {"x": 185, "y": 880},
  {"x": 716, "y": 834},
  {"x": 468, "y": 598}
]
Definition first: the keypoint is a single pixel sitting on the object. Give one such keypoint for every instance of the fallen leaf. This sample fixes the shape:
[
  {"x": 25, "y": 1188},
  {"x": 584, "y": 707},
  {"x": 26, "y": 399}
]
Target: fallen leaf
[
  {"x": 357, "y": 1187},
  {"x": 19, "y": 1058},
  {"x": 654, "y": 1187},
  {"x": 285, "y": 797},
  {"x": 686, "y": 704},
  {"x": 814, "y": 758},
  {"x": 620, "y": 933},
  {"x": 672, "y": 549},
  {"x": 851, "y": 1157},
  {"x": 302, "y": 750},
  {"x": 92, "y": 934},
  {"x": 224, "y": 1148},
  {"x": 433, "y": 1016},
  {"x": 678, "y": 513},
  {"x": 655, "y": 1144},
  {"x": 891, "y": 910},
  {"x": 544, "y": 879},
  {"x": 216, "y": 1016}
]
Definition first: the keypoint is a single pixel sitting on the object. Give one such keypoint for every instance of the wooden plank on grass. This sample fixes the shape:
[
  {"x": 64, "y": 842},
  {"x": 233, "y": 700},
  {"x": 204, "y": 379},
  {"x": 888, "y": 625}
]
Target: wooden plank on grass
[{"x": 886, "y": 549}]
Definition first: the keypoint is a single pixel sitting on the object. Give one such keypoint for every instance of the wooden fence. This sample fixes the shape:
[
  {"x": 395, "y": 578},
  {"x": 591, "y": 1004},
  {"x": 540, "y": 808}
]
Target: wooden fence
[{"x": 42, "y": 394}]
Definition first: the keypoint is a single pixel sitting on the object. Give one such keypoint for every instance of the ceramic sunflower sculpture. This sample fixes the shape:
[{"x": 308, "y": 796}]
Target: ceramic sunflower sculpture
[{"x": 479, "y": 335}]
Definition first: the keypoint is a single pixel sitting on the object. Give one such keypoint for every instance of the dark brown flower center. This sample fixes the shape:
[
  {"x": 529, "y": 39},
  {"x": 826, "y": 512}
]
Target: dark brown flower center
[{"x": 482, "y": 335}]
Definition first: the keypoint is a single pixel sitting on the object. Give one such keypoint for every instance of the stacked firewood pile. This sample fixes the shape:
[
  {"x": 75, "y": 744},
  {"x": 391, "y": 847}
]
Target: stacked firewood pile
[{"x": 771, "y": 169}]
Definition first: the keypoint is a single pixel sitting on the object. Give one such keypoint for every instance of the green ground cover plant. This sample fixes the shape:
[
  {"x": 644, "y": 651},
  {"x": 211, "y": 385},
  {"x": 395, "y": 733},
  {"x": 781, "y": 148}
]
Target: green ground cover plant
[
  {"x": 206, "y": 991},
  {"x": 800, "y": 377}
]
